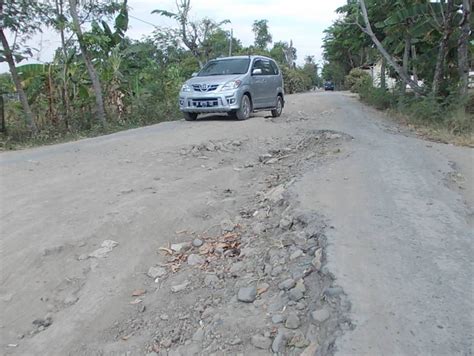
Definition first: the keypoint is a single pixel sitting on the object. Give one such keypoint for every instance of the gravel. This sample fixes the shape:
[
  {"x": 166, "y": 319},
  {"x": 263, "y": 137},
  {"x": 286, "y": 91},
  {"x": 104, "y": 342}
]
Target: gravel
[
  {"x": 320, "y": 316},
  {"x": 279, "y": 341},
  {"x": 180, "y": 247},
  {"x": 292, "y": 321},
  {"x": 194, "y": 260},
  {"x": 295, "y": 294},
  {"x": 296, "y": 254},
  {"x": 317, "y": 260},
  {"x": 180, "y": 287},
  {"x": 287, "y": 284},
  {"x": 261, "y": 342},
  {"x": 156, "y": 272},
  {"x": 247, "y": 294},
  {"x": 278, "y": 319},
  {"x": 197, "y": 243}
]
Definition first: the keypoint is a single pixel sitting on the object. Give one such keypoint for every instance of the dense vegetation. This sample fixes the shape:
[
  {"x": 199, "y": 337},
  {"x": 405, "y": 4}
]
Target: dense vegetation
[
  {"x": 100, "y": 80},
  {"x": 424, "y": 45}
]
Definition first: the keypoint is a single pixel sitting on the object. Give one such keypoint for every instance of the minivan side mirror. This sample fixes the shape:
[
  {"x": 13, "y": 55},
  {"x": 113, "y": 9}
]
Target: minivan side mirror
[
  {"x": 194, "y": 74},
  {"x": 257, "y": 71}
]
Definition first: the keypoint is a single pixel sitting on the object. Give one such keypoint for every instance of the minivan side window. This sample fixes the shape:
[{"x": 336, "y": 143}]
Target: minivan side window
[
  {"x": 266, "y": 66},
  {"x": 274, "y": 67}
]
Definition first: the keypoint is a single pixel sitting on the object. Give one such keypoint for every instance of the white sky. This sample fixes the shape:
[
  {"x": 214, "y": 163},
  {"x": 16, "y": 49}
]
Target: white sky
[{"x": 302, "y": 21}]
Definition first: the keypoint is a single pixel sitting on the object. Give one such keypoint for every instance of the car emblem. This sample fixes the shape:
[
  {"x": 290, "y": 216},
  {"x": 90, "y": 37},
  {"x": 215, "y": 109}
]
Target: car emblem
[{"x": 203, "y": 87}]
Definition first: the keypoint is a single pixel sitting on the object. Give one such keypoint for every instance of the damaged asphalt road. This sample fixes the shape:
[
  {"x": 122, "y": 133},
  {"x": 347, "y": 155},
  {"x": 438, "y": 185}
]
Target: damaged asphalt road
[{"x": 328, "y": 230}]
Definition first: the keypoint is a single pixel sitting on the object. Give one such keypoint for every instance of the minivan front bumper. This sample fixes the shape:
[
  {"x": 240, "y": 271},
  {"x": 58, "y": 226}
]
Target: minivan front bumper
[{"x": 196, "y": 102}]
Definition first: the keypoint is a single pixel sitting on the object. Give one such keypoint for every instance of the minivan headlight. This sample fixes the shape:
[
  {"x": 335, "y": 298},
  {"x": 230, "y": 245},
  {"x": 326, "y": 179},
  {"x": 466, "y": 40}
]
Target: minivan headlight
[
  {"x": 185, "y": 88},
  {"x": 233, "y": 84}
]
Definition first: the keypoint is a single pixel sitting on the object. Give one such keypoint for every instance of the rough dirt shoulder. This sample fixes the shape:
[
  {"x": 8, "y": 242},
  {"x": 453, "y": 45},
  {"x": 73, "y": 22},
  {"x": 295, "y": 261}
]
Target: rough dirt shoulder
[{"x": 179, "y": 238}]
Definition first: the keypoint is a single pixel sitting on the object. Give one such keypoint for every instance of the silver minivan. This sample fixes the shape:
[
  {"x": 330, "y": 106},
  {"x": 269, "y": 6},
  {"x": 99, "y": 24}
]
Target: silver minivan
[{"x": 236, "y": 85}]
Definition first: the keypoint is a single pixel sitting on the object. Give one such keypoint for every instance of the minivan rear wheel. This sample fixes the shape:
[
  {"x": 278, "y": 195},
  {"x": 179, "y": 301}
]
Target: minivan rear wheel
[
  {"x": 279, "y": 107},
  {"x": 190, "y": 116},
  {"x": 243, "y": 113}
]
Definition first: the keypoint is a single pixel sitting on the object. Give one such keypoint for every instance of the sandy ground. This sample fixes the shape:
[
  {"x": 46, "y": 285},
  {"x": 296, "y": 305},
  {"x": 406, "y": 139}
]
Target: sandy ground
[{"x": 391, "y": 213}]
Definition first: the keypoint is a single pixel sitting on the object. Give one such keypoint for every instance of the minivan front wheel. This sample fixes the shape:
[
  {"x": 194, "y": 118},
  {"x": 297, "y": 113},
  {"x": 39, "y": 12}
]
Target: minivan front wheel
[
  {"x": 279, "y": 107},
  {"x": 190, "y": 116},
  {"x": 243, "y": 113}
]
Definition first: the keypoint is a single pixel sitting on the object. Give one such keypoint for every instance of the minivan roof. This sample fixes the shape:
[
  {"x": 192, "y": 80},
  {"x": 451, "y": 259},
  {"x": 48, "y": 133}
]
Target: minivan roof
[{"x": 248, "y": 56}]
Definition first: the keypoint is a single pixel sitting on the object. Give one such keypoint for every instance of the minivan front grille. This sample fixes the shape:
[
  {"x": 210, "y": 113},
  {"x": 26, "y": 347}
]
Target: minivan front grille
[{"x": 205, "y": 87}]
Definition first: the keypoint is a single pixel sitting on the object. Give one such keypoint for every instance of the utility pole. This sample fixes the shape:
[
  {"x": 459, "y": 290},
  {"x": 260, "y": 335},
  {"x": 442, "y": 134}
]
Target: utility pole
[{"x": 230, "y": 41}]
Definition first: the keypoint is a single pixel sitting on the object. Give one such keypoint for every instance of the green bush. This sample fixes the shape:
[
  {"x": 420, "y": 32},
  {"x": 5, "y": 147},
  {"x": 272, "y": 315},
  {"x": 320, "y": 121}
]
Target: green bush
[
  {"x": 379, "y": 98},
  {"x": 356, "y": 79},
  {"x": 296, "y": 80},
  {"x": 422, "y": 109},
  {"x": 364, "y": 87}
]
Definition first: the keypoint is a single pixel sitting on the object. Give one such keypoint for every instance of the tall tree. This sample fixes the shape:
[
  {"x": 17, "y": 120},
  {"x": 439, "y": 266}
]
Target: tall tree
[
  {"x": 390, "y": 60},
  {"x": 284, "y": 53},
  {"x": 22, "y": 18},
  {"x": 195, "y": 35},
  {"x": 96, "y": 85},
  {"x": 60, "y": 22},
  {"x": 262, "y": 34},
  {"x": 463, "y": 47},
  {"x": 447, "y": 30}
]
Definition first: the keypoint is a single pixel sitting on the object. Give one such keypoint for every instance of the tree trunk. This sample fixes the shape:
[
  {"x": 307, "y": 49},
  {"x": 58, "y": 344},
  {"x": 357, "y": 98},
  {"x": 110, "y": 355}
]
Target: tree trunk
[
  {"x": 16, "y": 80},
  {"x": 406, "y": 53},
  {"x": 443, "y": 46},
  {"x": 65, "y": 89},
  {"x": 415, "y": 73},
  {"x": 52, "y": 116},
  {"x": 463, "y": 49},
  {"x": 383, "y": 82},
  {"x": 402, "y": 74},
  {"x": 230, "y": 43},
  {"x": 99, "y": 101},
  {"x": 3, "y": 127},
  {"x": 406, "y": 57}
]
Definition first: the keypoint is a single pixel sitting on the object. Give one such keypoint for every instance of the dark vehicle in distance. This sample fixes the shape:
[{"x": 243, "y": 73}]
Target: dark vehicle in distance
[{"x": 329, "y": 85}]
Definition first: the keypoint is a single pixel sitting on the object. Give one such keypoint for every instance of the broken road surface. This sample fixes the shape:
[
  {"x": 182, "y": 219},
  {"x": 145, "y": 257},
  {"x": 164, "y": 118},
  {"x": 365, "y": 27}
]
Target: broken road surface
[{"x": 329, "y": 230}]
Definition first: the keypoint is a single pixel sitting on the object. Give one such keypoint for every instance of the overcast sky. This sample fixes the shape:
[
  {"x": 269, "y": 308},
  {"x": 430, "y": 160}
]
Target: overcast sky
[{"x": 302, "y": 21}]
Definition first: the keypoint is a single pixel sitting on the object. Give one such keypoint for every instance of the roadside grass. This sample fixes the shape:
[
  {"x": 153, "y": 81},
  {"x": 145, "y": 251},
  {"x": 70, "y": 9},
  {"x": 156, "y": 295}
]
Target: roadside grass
[
  {"x": 146, "y": 111},
  {"x": 432, "y": 131},
  {"x": 446, "y": 120},
  {"x": 18, "y": 138}
]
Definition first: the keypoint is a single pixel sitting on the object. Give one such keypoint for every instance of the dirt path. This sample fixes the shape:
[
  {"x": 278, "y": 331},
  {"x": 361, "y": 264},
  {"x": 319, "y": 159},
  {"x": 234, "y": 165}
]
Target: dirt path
[{"x": 238, "y": 220}]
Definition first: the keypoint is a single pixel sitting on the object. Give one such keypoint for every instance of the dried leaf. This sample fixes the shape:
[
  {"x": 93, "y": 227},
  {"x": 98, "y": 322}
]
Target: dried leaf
[
  {"x": 262, "y": 290},
  {"x": 206, "y": 248},
  {"x": 165, "y": 249},
  {"x": 136, "y": 301},
  {"x": 222, "y": 245},
  {"x": 230, "y": 235},
  {"x": 138, "y": 292}
]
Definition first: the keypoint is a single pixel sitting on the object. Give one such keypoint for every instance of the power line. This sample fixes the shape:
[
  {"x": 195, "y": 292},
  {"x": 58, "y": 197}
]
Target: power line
[{"x": 148, "y": 23}]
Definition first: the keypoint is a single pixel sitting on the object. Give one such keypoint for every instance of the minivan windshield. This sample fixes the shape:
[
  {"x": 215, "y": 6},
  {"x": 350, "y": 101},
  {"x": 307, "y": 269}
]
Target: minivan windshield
[{"x": 225, "y": 67}]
